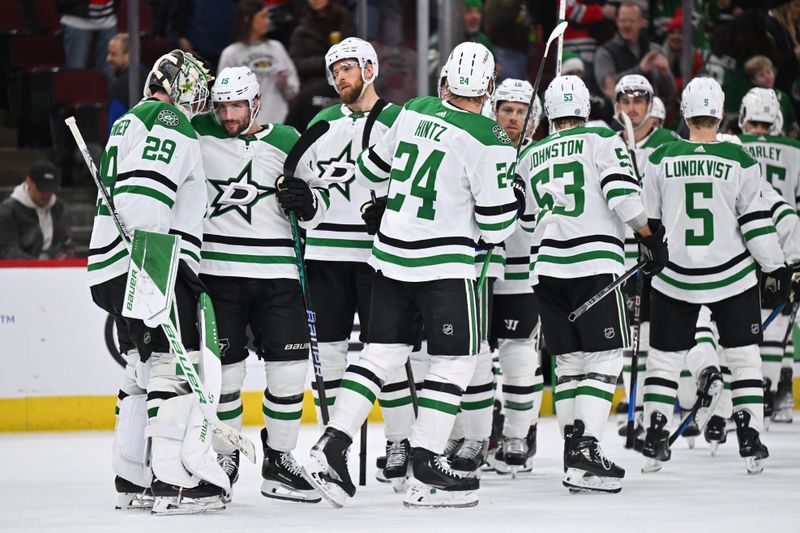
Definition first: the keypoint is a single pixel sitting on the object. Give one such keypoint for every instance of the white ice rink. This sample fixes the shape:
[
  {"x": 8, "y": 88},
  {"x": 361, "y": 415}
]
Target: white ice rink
[{"x": 63, "y": 482}]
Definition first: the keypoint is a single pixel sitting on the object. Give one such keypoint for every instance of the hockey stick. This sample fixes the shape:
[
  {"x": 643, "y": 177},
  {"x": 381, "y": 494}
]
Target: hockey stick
[
  {"x": 289, "y": 168},
  {"x": 573, "y": 316},
  {"x": 562, "y": 13},
  {"x": 221, "y": 430},
  {"x": 792, "y": 318},
  {"x": 637, "y": 302},
  {"x": 775, "y": 312}
]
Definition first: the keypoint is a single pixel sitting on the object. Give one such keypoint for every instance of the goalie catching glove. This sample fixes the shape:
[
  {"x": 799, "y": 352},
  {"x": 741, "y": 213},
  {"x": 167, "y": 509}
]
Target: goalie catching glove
[
  {"x": 653, "y": 249},
  {"x": 295, "y": 196}
]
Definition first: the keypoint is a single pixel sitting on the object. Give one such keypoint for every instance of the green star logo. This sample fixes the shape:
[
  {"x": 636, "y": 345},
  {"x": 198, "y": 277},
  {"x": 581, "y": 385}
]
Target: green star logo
[
  {"x": 239, "y": 194},
  {"x": 339, "y": 171},
  {"x": 187, "y": 86}
]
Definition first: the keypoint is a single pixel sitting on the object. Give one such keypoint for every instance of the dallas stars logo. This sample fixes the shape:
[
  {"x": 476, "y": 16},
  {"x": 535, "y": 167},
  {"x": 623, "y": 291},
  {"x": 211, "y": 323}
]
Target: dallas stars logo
[
  {"x": 238, "y": 194},
  {"x": 339, "y": 171}
]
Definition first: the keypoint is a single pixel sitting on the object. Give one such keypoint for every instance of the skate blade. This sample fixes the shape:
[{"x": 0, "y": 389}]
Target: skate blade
[
  {"x": 279, "y": 491},
  {"x": 582, "y": 482},
  {"x": 420, "y": 496},
  {"x": 753, "y": 466},
  {"x": 650, "y": 465},
  {"x": 380, "y": 477},
  {"x": 171, "y": 505},
  {"x": 399, "y": 484},
  {"x": 134, "y": 502},
  {"x": 783, "y": 416},
  {"x": 690, "y": 442},
  {"x": 330, "y": 492},
  {"x": 714, "y": 447}
]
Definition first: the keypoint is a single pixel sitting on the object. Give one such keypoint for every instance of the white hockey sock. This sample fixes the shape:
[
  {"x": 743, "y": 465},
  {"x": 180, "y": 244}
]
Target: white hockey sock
[
  {"x": 596, "y": 390},
  {"x": 661, "y": 382},
  {"x": 747, "y": 390},
  {"x": 362, "y": 381},
  {"x": 282, "y": 404},
  {"x": 519, "y": 363},
  {"x": 477, "y": 401},
  {"x": 230, "y": 409},
  {"x": 333, "y": 358},
  {"x": 687, "y": 390},
  {"x": 538, "y": 391},
  {"x": 439, "y": 400},
  {"x": 395, "y": 401},
  {"x": 569, "y": 372}
]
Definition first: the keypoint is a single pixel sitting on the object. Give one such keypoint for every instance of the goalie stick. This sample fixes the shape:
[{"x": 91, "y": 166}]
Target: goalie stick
[{"x": 224, "y": 432}]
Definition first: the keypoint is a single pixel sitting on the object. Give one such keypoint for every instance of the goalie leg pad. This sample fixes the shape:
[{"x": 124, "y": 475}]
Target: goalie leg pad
[
  {"x": 129, "y": 450},
  {"x": 283, "y": 402}
]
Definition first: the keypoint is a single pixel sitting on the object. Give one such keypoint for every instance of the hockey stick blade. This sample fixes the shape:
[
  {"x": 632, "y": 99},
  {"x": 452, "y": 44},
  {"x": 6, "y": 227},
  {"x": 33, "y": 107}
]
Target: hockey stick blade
[{"x": 302, "y": 145}]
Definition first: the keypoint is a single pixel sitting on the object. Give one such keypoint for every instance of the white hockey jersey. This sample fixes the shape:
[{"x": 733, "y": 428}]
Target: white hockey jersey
[
  {"x": 152, "y": 168},
  {"x": 343, "y": 235},
  {"x": 779, "y": 158},
  {"x": 580, "y": 189},
  {"x": 708, "y": 196},
  {"x": 246, "y": 233},
  {"x": 447, "y": 173},
  {"x": 642, "y": 152}
]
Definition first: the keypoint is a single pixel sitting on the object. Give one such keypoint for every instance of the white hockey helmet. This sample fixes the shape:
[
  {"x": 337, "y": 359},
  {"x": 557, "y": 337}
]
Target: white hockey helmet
[
  {"x": 511, "y": 90},
  {"x": 183, "y": 78},
  {"x": 633, "y": 84},
  {"x": 761, "y": 105},
  {"x": 442, "y": 79},
  {"x": 567, "y": 96},
  {"x": 657, "y": 109},
  {"x": 352, "y": 48},
  {"x": 702, "y": 97},
  {"x": 470, "y": 70},
  {"x": 235, "y": 84}
]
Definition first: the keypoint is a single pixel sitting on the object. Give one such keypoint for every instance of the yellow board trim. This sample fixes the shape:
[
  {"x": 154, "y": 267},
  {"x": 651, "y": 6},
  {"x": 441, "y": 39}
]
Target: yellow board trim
[{"x": 72, "y": 413}]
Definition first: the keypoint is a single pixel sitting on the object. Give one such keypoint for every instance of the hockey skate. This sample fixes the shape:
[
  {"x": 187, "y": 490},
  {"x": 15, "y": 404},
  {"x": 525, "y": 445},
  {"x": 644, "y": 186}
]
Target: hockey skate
[
  {"x": 656, "y": 444},
  {"x": 587, "y": 468},
  {"x": 691, "y": 433},
  {"x": 505, "y": 467},
  {"x": 515, "y": 456},
  {"x": 436, "y": 485},
  {"x": 132, "y": 496},
  {"x": 784, "y": 402},
  {"x": 326, "y": 468},
  {"x": 230, "y": 465},
  {"x": 398, "y": 461},
  {"x": 709, "y": 392},
  {"x": 172, "y": 500},
  {"x": 750, "y": 446},
  {"x": 380, "y": 464},
  {"x": 469, "y": 457},
  {"x": 282, "y": 477},
  {"x": 715, "y": 433}
]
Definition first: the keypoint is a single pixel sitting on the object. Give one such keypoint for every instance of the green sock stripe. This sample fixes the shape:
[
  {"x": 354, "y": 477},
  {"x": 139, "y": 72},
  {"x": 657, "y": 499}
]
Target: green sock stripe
[
  {"x": 686, "y": 374},
  {"x": 438, "y": 405},
  {"x": 281, "y": 415},
  {"x": 399, "y": 402},
  {"x": 518, "y": 406},
  {"x": 363, "y": 390},
  {"x": 228, "y": 415},
  {"x": 752, "y": 399},
  {"x": 328, "y": 401},
  {"x": 768, "y": 358},
  {"x": 564, "y": 394},
  {"x": 152, "y": 412},
  {"x": 480, "y": 404},
  {"x": 585, "y": 390},
  {"x": 660, "y": 398},
  {"x": 639, "y": 368}
]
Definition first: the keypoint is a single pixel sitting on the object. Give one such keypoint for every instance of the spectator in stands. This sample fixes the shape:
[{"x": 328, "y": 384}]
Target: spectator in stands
[
  {"x": 631, "y": 52},
  {"x": 511, "y": 41},
  {"x": 473, "y": 17},
  {"x": 324, "y": 24},
  {"x": 783, "y": 28},
  {"x": 266, "y": 57},
  {"x": 673, "y": 50},
  {"x": 34, "y": 223},
  {"x": 84, "y": 22},
  {"x": 761, "y": 72},
  {"x": 585, "y": 18},
  {"x": 203, "y": 27},
  {"x": 118, "y": 58},
  {"x": 601, "y": 110}
]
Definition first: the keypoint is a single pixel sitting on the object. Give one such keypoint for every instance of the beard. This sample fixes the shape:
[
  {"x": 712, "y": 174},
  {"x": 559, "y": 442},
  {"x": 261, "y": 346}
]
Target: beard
[
  {"x": 353, "y": 93},
  {"x": 238, "y": 127}
]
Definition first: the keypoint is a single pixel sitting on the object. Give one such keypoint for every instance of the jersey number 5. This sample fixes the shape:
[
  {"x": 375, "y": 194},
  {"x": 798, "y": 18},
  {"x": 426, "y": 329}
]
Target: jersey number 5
[{"x": 693, "y": 238}]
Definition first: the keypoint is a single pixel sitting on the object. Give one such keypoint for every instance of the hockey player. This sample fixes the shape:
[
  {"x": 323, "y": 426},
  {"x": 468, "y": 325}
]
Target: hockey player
[
  {"x": 153, "y": 170},
  {"x": 446, "y": 170},
  {"x": 337, "y": 250},
  {"x": 634, "y": 97},
  {"x": 658, "y": 113},
  {"x": 779, "y": 158},
  {"x": 583, "y": 193},
  {"x": 708, "y": 193},
  {"x": 514, "y": 309},
  {"x": 248, "y": 265}
]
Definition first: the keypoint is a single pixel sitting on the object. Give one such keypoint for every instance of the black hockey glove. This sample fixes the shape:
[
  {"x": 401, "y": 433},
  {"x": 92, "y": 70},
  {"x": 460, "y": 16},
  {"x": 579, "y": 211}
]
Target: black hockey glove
[
  {"x": 294, "y": 195},
  {"x": 372, "y": 213},
  {"x": 653, "y": 249},
  {"x": 776, "y": 287},
  {"x": 518, "y": 185},
  {"x": 795, "y": 282}
]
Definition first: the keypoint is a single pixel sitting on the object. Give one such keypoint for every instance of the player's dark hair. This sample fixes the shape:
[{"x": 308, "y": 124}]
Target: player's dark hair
[
  {"x": 568, "y": 122},
  {"x": 243, "y": 19},
  {"x": 703, "y": 122}
]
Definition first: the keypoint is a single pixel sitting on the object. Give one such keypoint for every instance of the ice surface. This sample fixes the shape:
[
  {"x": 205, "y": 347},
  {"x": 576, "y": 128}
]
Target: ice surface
[{"x": 63, "y": 482}]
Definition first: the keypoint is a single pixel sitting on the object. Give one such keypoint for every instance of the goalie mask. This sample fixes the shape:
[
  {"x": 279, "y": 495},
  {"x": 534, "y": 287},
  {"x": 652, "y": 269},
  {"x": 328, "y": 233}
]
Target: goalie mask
[{"x": 185, "y": 80}]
